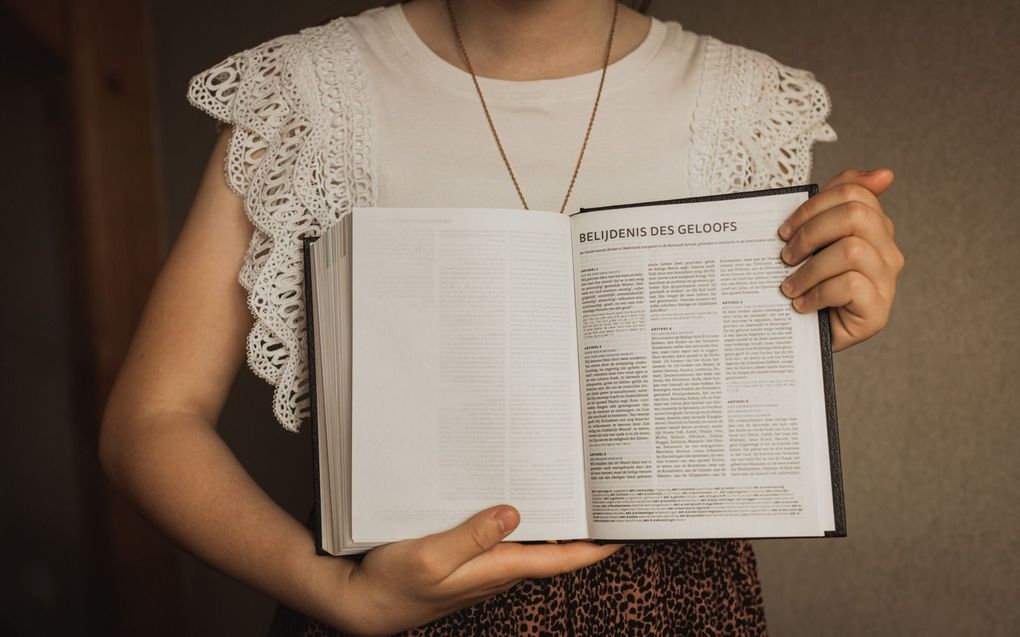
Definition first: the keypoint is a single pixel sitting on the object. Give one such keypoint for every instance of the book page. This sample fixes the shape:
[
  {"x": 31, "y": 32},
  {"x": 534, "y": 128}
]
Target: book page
[
  {"x": 465, "y": 389},
  {"x": 702, "y": 390}
]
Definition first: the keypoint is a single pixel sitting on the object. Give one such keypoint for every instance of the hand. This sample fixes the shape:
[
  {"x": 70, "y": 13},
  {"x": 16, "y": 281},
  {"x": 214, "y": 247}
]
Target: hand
[
  {"x": 856, "y": 261},
  {"x": 406, "y": 584}
]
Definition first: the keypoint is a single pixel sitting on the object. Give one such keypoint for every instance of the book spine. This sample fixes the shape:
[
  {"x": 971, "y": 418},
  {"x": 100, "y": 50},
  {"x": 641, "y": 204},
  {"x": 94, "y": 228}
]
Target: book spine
[{"x": 312, "y": 405}]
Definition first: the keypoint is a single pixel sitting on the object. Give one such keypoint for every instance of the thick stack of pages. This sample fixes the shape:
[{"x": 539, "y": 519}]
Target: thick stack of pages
[{"x": 627, "y": 373}]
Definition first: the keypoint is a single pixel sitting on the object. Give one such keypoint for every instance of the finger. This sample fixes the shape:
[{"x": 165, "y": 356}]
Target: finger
[
  {"x": 826, "y": 200},
  {"x": 845, "y": 255},
  {"x": 442, "y": 553},
  {"x": 876, "y": 181},
  {"x": 552, "y": 559},
  {"x": 856, "y": 296},
  {"x": 512, "y": 561},
  {"x": 470, "y": 596},
  {"x": 475, "y": 597},
  {"x": 849, "y": 219}
]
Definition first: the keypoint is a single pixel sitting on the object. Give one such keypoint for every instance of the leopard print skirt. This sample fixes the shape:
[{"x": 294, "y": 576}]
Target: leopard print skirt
[{"x": 661, "y": 588}]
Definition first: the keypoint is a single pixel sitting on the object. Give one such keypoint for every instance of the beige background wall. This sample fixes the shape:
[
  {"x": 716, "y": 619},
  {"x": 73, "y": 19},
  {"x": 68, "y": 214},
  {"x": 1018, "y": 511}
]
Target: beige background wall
[{"x": 928, "y": 410}]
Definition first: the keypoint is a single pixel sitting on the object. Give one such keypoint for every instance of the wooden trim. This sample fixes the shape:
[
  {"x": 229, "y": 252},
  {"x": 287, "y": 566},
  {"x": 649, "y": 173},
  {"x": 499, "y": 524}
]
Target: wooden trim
[
  {"x": 120, "y": 245},
  {"x": 44, "y": 19}
]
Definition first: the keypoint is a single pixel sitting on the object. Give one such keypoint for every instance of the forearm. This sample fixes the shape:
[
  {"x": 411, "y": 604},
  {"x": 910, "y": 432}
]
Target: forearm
[{"x": 181, "y": 474}]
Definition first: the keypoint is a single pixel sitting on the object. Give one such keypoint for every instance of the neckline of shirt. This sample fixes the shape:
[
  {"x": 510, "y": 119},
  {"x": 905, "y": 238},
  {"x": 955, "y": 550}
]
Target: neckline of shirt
[{"x": 458, "y": 81}]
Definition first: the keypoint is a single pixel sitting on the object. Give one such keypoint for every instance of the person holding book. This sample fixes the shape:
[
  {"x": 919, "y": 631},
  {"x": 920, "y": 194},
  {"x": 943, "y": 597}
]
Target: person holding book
[{"x": 558, "y": 105}]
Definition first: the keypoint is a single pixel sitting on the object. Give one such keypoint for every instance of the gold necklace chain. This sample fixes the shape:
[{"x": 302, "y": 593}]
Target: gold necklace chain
[{"x": 492, "y": 126}]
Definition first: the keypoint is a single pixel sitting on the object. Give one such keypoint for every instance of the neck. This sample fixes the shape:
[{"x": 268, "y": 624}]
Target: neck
[{"x": 527, "y": 39}]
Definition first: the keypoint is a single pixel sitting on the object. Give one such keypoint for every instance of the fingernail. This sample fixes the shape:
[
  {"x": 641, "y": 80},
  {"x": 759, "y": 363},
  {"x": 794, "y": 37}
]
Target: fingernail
[
  {"x": 787, "y": 287},
  {"x": 507, "y": 519},
  {"x": 798, "y": 302},
  {"x": 784, "y": 230},
  {"x": 785, "y": 254}
]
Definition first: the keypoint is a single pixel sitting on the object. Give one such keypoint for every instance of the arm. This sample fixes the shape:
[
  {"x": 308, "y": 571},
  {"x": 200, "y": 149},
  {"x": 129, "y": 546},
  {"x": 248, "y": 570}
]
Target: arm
[
  {"x": 159, "y": 447},
  {"x": 159, "y": 444}
]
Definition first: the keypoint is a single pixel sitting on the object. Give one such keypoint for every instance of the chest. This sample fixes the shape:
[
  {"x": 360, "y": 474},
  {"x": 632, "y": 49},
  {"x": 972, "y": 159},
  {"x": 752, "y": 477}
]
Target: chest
[{"x": 435, "y": 148}]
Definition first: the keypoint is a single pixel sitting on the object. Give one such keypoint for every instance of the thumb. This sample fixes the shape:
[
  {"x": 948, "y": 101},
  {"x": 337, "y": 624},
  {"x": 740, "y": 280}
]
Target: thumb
[
  {"x": 474, "y": 536},
  {"x": 876, "y": 181}
]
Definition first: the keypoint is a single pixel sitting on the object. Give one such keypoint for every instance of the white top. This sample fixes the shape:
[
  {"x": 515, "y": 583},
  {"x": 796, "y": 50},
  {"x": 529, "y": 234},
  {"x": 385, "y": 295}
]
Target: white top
[
  {"x": 360, "y": 112},
  {"x": 434, "y": 147}
]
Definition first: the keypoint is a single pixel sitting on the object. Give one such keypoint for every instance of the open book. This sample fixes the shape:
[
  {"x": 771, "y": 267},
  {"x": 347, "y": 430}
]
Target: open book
[{"x": 624, "y": 373}]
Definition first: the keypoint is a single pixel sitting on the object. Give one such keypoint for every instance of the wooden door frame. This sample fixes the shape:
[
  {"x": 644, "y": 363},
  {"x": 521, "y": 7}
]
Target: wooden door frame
[{"x": 119, "y": 243}]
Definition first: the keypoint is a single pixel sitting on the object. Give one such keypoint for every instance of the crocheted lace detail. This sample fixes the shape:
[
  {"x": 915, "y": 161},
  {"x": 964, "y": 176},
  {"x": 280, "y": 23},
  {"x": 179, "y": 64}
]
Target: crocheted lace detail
[
  {"x": 300, "y": 156},
  {"x": 755, "y": 122}
]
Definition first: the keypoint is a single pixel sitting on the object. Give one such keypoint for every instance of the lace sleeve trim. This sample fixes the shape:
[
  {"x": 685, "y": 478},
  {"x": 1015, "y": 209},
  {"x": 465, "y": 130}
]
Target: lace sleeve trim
[
  {"x": 755, "y": 122},
  {"x": 300, "y": 155}
]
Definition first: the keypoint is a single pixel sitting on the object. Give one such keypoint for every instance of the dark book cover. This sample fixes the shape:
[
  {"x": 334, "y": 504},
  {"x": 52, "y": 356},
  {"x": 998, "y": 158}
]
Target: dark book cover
[{"x": 312, "y": 407}]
